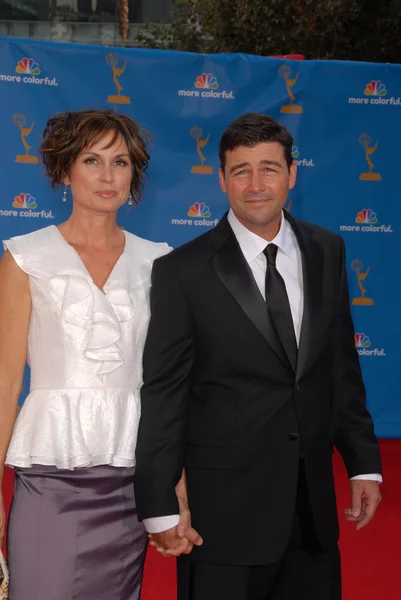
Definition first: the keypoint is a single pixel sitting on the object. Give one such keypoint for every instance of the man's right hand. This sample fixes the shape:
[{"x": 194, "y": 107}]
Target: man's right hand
[
  {"x": 169, "y": 541},
  {"x": 182, "y": 538}
]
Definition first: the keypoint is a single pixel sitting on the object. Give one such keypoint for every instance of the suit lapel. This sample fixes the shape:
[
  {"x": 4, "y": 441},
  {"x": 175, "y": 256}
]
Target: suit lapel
[
  {"x": 230, "y": 266},
  {"x": 312, "y": 274}
]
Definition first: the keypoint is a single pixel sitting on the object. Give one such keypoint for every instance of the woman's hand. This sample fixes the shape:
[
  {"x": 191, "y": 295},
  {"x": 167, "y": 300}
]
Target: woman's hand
[{"x": 186, "y": 532}]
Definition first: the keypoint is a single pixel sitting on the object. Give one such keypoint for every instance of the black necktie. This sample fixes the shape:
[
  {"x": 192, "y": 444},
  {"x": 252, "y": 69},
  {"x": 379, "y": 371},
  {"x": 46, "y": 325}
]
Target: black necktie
[{"x": 279, "y": 306}]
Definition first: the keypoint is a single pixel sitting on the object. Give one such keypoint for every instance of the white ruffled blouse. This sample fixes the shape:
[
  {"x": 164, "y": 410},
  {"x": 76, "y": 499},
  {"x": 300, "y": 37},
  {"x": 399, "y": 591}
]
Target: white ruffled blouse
[{"x": 85, "y": 354}]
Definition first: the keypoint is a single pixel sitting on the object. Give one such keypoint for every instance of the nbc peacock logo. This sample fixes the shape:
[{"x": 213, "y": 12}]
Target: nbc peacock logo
[
  {"x": 367, "y": 221},
  {"x": 206, "y": 81},
  {"x": 362, "y": 341},
  {"x": 24, "y": 206},
  {"x": 28, "y": 66},
  {"x": 24, "y": 201},
  {"x": 199, "y": 209},
  {"x": 375, "y": 88},
  {"x": 27, "y": 71},
  {"x": 374, "y": 93},
  {"x": 200, "y": 216},
  {"x": 206, "y": 86},
  {"x": 363, "y": 346},
  {"x": 366, "y": 216}
]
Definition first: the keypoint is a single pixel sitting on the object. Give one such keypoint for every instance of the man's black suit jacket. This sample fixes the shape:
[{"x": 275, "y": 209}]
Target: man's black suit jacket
[{"x": 221, "y": 399}]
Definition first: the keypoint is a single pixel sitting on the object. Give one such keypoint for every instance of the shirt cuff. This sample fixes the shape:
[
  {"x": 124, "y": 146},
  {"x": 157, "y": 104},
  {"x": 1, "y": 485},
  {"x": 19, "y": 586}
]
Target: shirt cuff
[
  {"x": 159, "y": 524},
  {"x": 370, "y": 476}
]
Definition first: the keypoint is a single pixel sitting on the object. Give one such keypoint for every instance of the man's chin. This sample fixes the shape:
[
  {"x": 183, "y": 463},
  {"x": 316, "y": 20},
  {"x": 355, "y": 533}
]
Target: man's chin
[{"x": 264, "y": 218}]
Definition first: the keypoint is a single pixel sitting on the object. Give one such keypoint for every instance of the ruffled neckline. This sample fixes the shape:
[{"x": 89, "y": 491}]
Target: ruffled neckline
[{"x": 83, "y": 304}]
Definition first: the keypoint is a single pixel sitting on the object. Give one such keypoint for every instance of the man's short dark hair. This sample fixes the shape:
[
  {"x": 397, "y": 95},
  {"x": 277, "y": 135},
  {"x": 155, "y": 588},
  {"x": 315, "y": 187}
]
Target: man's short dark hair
[{"x": 252, "y": 129}]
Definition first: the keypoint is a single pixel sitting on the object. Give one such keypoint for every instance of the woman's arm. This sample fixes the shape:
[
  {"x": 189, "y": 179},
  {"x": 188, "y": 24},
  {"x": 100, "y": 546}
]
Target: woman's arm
[{"x": 15, "y": 312}]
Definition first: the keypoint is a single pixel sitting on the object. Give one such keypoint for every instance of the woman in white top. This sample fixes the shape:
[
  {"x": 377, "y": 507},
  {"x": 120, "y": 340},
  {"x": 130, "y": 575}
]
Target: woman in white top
[{"x": 74, "y": 302}]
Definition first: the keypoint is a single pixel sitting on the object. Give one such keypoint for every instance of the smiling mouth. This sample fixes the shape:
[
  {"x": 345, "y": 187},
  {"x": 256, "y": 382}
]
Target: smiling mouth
[
  {"x": 257, "y": 200},
  {"x": 106, "y": 194}
]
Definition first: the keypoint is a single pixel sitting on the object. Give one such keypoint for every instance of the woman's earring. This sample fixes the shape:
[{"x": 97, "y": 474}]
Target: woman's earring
[
  {"x": 64, "y": 198},
  {"x": 130, "y": 200}
]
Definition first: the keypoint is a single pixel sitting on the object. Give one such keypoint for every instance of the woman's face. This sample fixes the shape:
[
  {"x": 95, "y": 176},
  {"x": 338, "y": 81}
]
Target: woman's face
[{"x": 100, "y": 178}]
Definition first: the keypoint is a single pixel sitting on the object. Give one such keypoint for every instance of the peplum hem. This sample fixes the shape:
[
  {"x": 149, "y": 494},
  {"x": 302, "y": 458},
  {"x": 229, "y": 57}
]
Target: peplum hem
[
  {"x": 78, "y": 462},
  {"x": 76, "y": 428}
]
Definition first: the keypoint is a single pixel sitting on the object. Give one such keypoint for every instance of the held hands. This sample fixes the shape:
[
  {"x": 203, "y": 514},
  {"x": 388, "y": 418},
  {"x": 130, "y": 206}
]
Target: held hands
[
  {"x": 181, "y": 538},
  {"x": 365, "y": 498}
]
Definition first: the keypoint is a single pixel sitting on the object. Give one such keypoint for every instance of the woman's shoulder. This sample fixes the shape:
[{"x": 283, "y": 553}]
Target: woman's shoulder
[
  {"x": 34, "y": 252},
  {"x": 32, "y": 238},
  {"x": 146, "y": 250}
]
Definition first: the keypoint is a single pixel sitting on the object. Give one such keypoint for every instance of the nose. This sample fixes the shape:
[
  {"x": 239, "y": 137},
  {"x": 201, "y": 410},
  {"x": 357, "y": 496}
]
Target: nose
[
  {"x": 256, "y": 183},
  {"x": 107, "y": 173}
]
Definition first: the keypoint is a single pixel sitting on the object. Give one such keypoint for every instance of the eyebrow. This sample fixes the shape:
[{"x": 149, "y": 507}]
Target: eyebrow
[
  {"x": 98, "y": 155},
  {"x": 273, "y": 163}
]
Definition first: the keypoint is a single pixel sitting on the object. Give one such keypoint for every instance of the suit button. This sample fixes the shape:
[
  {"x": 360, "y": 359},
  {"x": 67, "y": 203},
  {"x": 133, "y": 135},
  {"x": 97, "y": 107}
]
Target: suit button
[{"x": 293, "y": 437}]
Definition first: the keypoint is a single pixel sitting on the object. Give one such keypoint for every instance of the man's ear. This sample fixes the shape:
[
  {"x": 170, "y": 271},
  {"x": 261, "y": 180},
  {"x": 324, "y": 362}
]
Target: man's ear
[
  {"x": 293, "y": 176},
  {"x": 222, "y": 181}
]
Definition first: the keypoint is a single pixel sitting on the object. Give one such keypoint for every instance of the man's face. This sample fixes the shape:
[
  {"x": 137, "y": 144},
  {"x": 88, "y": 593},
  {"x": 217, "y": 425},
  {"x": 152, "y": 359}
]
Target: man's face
[{"x": 256, "y": 181}]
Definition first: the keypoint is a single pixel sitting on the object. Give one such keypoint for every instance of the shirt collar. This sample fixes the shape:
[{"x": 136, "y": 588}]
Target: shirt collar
[{"x": 252, "y": 245}]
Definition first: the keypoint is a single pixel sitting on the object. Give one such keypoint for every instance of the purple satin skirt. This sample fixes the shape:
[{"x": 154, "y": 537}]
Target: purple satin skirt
[{"x": 74, "y": 535}]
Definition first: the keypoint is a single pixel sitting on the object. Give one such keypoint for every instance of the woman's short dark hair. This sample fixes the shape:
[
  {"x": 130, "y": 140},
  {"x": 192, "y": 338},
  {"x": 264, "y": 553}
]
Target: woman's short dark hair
[
  {"x": 252, "y": 129},
  {"x": 68, "y": 134}
]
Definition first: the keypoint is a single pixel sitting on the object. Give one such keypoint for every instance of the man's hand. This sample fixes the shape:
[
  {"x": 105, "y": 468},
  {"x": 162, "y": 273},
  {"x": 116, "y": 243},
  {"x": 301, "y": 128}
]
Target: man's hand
[
  {"x": 184, "y": 526},
  {"x": 187, "y": 535},
  {"x": 365, "y": 498},
  {"x": 169, "y": 543}
]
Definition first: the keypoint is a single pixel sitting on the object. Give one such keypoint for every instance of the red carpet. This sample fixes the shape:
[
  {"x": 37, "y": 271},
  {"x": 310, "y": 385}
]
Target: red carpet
[{"x": 371, "y": 558}]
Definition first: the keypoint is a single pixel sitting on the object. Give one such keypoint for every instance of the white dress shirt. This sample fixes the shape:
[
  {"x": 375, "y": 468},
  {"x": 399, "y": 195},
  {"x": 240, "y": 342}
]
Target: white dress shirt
[{"x": 289, "y": 265}]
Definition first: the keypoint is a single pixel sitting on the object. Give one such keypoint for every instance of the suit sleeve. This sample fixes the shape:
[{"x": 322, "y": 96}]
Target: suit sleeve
[
  {"x": 353, "y": 433},
  {"x": 167, "y": 366}
]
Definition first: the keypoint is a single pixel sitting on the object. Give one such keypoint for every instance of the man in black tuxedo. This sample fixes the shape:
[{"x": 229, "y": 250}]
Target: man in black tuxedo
[{"x": 251, "y": 377}]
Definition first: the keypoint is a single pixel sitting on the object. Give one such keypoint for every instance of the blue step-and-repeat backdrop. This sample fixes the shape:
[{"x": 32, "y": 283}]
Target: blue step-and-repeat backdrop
[{"x": 346, "y": 122}]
